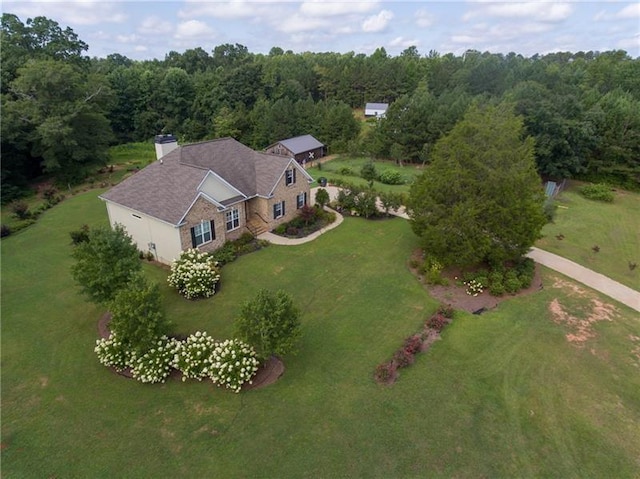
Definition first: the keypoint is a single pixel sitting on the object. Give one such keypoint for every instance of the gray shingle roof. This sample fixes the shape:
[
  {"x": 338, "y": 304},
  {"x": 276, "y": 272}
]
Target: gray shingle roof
[
  {"x": 300, "y": 144},
  {"x": 376, "y": 106},
  {"x": 167, "y": 189}
]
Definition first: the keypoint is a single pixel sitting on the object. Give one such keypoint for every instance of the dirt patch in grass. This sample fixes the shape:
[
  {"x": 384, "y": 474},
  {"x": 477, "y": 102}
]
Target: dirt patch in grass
[
  {"x": 457, "y": 296},
  {"x": 580, "y": 321}
]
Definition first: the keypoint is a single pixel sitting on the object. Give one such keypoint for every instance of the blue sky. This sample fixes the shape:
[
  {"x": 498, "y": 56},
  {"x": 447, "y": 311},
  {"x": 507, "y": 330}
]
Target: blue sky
[{"x": 150, "y": 29}]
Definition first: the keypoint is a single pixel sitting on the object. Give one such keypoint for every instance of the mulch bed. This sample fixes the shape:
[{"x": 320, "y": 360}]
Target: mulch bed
[
  {"x": 268, "y": 373},
  {"x": 457, "y": 296}
]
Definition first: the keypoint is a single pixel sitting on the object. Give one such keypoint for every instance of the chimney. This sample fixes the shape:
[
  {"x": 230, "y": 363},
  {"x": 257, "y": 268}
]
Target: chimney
[{"x": 165, "y": 144}]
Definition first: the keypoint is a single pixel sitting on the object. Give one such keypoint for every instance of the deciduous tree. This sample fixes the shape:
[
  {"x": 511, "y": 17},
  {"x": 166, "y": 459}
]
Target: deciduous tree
[
  {"x": 270, "y": 323},
  {"x": 105, "y": 264}
]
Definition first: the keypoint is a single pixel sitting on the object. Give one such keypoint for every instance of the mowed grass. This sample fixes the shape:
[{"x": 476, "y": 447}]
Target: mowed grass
[
  {"x": 332, "y": 170},
  {"x": 501, "y": 395},
  {"x": 613, "y": 227}
]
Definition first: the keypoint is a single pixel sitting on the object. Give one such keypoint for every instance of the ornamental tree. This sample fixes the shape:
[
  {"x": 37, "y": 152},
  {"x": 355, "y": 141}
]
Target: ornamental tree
[
  {"x": 137, "y": 317},
  {"x": 105, "y": 263},
  {"x": 270, "y": 323},
  {"x": 481, "y": 199}
]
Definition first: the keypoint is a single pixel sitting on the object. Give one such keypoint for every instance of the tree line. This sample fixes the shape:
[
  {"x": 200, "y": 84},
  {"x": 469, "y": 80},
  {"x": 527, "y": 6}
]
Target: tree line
[{"x": 62, "y": 109}]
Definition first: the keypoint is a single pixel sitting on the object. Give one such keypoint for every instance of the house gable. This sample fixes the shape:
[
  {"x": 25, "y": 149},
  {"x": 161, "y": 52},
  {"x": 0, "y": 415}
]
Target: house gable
[{"x": 219, "y": 190}]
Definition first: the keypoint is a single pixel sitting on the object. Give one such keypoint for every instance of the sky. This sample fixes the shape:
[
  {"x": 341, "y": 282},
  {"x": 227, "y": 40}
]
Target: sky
[{"x": 143, "y": 29}]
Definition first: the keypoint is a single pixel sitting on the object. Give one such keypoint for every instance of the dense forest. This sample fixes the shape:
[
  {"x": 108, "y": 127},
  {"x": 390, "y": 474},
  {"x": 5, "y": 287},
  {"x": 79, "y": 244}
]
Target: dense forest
[{"x": 61, "y": 109}]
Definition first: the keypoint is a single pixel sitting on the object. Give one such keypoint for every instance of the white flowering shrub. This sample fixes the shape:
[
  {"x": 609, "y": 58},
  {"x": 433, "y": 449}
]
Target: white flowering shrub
[
  {"x": 194, "y": 274},
  {"x": 193, "y": 356},
  {"x": 112, "y": 353},
  {"x": 233, "y": 364},
  {"x": 155, "y": 365},
  {"x": 474, "y": 287}
]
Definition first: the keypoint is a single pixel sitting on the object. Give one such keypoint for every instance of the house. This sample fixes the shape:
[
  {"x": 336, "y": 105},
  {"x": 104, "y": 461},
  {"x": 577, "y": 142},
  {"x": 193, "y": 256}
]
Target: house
[
  {"x": 303, "y": 148},
  {"x": 203, "y": 194},
  {"x": 376, "y": 109}
]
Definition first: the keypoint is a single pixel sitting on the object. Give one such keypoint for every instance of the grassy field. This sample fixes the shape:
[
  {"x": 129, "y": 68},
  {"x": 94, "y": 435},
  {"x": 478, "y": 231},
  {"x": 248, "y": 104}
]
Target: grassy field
[
  {"x": 332, "y": 170},
  {"x": 614, "y": 227},
  {"x": 501, "y": 395},
  {"x": 123, "y": 160}
]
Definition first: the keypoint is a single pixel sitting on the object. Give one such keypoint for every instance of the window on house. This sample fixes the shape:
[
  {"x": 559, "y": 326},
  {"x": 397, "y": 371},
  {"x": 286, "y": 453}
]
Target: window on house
[
  {"x": 202, "y": 233},
  {"x": 233, "y": 219},
  {"x": 278, "y": 210},
  {"x": 301, "y": 200},
  {"x": 290, "y": 177}
]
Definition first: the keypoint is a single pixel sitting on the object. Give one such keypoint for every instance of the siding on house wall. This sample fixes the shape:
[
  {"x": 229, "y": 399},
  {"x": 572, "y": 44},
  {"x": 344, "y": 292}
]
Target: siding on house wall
[{"x": 145, "y": 229}]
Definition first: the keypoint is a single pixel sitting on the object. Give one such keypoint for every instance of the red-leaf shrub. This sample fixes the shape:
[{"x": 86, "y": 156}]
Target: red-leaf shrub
[
  {"x": 413, "y": 344},
  {"x": 403, "y": 358},
  {"x": 437, "y": 322}
]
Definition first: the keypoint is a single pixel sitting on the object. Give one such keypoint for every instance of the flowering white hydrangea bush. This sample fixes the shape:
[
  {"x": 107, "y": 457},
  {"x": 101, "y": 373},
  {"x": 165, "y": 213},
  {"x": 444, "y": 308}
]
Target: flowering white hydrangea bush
[
  {"x": 233, "y": 364},
  {"x": 194, "y": 274},
  {"x": 474, "y": 288},
  {"x": 193, "y": 356},
  {"x": 156, "y": 364},
  {"x": 112, "y": 353}
]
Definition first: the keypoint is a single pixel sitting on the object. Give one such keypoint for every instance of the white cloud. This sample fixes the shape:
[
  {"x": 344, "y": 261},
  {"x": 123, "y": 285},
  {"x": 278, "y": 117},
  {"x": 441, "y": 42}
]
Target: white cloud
[
  {"x": 133, "y": 38},
  {"x": 324, "y": 8},
  {"x": 631, "y": 12},
  {"x": 424, "y": 18},
  {"x": 193, "y": 29},
  {"x": 227, "y": 9},
  {"x": 297, "y": 23},
  {"x": 140, "y": 48},
  {"x": 75, "y": 12},
  {"x": 404, "y": 42},
  {"x": 155, "y": 25},
  {"x": 377, "y": 23},
  {"x": 540, "y": 11},
  {"x": 630, "y": 44}
]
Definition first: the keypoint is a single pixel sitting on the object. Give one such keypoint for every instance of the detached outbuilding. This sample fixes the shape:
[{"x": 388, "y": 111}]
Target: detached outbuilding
[
  {"x": 377, "y": 110},
  {"x": 303, "y": 148}
]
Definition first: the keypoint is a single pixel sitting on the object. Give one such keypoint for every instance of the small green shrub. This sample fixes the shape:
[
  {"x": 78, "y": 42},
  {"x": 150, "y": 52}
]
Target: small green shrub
[
  {"x": 80, "y": 235},
  {"x": 346, "y": 171},
  {"x": 225, "y": 254},
  {"x": 597, "y": 192},
  {"x": 5, "y": 230},
  {"x": 391, "y": 177},
  {"x": 20, "y": 210},
  {"x": 496, "y": 288},
  {"x": 368, "y": 171},
  {"x": 322, "y": 197},
  {"x": 432, "y": 270},
  {"x": 446, "y": 310}
]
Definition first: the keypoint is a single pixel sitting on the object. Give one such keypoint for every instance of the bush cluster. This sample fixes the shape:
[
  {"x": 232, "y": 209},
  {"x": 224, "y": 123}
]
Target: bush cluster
[
  {"x": 405, "y": 355},
  {"x": 229, "y": 363},
  {"x": 194, "y": 274},
  {"x": 391, "y": 177},
  {"x": 597, "y": 192},
  {"x": 501, "y": 280},
  {"x": 231, "y": 250},
  {"x": 309, "y": 220}
]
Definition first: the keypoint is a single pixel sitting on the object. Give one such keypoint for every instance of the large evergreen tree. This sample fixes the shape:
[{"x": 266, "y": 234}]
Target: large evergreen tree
[{"x": 481, "y": 199}]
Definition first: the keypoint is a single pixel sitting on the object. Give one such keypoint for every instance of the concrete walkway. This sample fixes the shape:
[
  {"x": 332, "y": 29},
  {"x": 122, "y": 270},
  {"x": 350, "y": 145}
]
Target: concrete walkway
[
  {"x": 597, "y": 281},
  {"x": 586, "y": 276}
]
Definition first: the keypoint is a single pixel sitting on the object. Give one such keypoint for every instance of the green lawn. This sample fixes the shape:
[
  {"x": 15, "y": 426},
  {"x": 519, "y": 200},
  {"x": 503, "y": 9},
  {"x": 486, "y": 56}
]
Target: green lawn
[
  {"x": 332, "y": 170},
  {"x": 501, "y": 395},
  {"x": 614, "y": 227}
]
